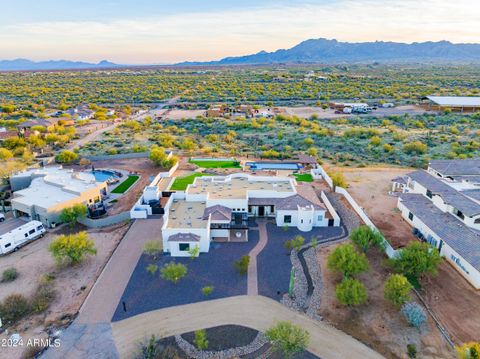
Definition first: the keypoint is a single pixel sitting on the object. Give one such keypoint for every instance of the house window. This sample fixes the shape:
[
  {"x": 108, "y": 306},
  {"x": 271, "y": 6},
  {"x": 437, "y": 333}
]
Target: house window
[
  {"x": 301, "y": 221},
  {"x": 287, "y": 219},
  {"x": 429, "y": 193},
  {"x": 32, "y": 231},
  {"x": 410, "y": 216},
  {"x": 458, "y": 213},
  {"x": 477, "y": 221},
  {"x": 320, "y": 218},
  {"x": 7, "y": 245},
  {"x": 184, "y": 247}
]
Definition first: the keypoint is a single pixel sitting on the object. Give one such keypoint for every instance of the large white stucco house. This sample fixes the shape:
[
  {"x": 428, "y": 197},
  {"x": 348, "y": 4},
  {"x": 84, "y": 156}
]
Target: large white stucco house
[
  {"x": 41, "y": 194},
  {"x": 443, "y": 204},
  {"x": 216, "y": 208}
]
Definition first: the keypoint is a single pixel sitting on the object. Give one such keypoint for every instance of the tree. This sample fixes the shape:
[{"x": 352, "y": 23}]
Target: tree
[
  {"x": 414, "y": 314},
  {"x": 416, "y": 259},
  {"x": 70, "y": 215},
  {"x": 295, "y": 243},
  {"x": 351, "y": 292},
  {"x": 397, "y": 289},
  {"x": 66, "y": 156},
  {"x": 241, "y": 265},
  {"x": 152, "y": 248},
  {"x": 73, "y": 248},
  {"x": 288, "y": 338},
  {"x": 338, "y": 179},
  {"x": 365, "y": 237},
  {"x": 415, "y": 147},
  {"x": 470, "y": 350},
  {"x": 346, "y": 260},
  {"x": 5, "y": 154},
  {"x": 206, "y": 291},
  {"x": 160, "y": 158},
  {"x": 200, "y": 339},
  {"x": 173, "y": 272}
]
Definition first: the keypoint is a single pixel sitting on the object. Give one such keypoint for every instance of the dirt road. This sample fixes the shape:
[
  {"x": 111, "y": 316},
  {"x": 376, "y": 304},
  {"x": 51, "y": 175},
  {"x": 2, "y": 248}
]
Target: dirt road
[{"x": 251, "y": 311}]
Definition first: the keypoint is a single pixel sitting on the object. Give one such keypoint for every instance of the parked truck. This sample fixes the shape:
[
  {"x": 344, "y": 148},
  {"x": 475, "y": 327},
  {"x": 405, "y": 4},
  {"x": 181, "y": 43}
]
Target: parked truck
[{"x": 20, "y": 236}]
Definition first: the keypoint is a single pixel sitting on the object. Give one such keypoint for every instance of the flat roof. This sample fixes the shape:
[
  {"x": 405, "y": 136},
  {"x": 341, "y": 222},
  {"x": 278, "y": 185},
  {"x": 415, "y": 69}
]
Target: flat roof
[
  {"x": 183, "y": 214},
  {"x": 51, "y": 186},
  {"x": 236, "y": 187},
  {"x": 458, "y": 101}
]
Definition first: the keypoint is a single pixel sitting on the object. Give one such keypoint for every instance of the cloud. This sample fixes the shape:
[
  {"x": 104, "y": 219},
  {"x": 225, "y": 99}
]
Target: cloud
[{"x": 215, "y": 34}]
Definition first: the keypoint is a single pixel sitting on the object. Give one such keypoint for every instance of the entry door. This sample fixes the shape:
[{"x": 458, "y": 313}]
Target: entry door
[{"x": 261, "y": 211}]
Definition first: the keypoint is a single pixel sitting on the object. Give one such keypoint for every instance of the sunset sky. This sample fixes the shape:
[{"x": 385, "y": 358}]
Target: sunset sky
[{"x": 148, "y": 31}]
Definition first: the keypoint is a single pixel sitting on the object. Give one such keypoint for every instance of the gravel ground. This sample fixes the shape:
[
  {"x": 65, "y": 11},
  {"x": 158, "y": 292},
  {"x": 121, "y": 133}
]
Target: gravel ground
[
  {"x": 274, "y": 263},
  {"x": 225, "y": 336},
  {"x": 147, "y": 292}
]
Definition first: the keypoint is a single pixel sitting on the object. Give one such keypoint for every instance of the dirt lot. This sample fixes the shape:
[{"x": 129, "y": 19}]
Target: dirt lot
[
  {"x": 452, "y": 299},
  {"x": 177, "y": 114},
  {"x": 308, "y": 111},
  {"x": 370, "y": 187},
  {"x": 71, "y": 284},
  {"x": 377, "y": 323}
]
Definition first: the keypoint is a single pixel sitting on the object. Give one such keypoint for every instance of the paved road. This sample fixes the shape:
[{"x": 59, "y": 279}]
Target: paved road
[
  {"x": 251, "y": 311},
  {"x": 252, "y": 283},
  {"x": 105, "y": 295}
]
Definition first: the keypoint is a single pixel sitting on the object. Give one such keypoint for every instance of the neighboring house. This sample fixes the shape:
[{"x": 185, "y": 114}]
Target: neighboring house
[
  {"x": 443, "y": 205},
  {"x": 4, "y": 134},
  {"x": 27, "y": 125},
  {"x": 41, "y": 194},
  {"x": 81, "y": 112},
  {"x": 454, "y": 103},
  {"x": 216, "y": 208}
]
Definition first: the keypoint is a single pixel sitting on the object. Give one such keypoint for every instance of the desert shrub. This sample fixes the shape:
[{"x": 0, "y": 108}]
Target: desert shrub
[
  {"x": 351, "y": 292},
  {"x": 9, "y": 275},
  {"x": 241, "y": 265},
  {"x": 152, "y": 247},
  {"x": 66, "y": 156},
  {"x": 13, "y": 308},
  {"x": 295, "y": 243},
  {"x": 71, "y": 215},
  {"x": 365, "y": 237},
  {"x": 397, "y": 289},
  {"x": 416, "y": 259},
  {"x": 200, "y": 340},
  {"x": 414, "y": 314},
  {"x": 470, "y": 350},
  {"x": 173, "y": 272},
  {"x": 412, "y": 351},
  {"x": 346, "y": 260},
  {"x": 152, "y": 268},
  {"x": 43, "y": 296},
  {"x": 288, "y": 338},
  {"x": 206, "y": 291}
]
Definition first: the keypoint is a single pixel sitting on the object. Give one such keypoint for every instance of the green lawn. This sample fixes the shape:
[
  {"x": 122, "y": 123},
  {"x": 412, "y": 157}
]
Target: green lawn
[
  {"x": 125, "y": 185},
  {"x": 216, "y": 164},
  {"x": 181, "y": 183},
  {"x": 304, "y": 177}
]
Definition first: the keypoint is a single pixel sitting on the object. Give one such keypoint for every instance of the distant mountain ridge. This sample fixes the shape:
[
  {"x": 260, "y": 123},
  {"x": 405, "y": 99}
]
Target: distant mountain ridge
[
  {"x": 332, "y": 51},
  {"x": 28, "y": 65}
]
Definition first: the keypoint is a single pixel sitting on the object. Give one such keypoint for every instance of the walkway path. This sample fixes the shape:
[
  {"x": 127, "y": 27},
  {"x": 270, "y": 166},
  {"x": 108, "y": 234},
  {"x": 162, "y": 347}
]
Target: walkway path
[
  {"x": 252, "y": 281},
  {"x": 251, "y": 311},
  {"x": 105, "y": 295}
]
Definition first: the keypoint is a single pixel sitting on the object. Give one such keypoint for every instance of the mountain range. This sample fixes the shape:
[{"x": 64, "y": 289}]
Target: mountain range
[
  {"x": 28, "y": 65},
  {"x": 333, "y": 51},
  {"x": 309, "y": 51}
]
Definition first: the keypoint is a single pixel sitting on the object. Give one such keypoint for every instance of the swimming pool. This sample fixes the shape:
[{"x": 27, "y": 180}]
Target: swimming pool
[
  {"x": 273, "y": 166},
  {"x": 103, "y": 175}
]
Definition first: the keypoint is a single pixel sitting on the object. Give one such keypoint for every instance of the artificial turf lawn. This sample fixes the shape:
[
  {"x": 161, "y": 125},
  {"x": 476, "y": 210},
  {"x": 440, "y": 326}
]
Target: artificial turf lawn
[
  {"x": 216, "y": 164},
  {"x": 304, "y": 177},
  {"x": 125, "y": 185},
  {"x": 181, "y": 183}
]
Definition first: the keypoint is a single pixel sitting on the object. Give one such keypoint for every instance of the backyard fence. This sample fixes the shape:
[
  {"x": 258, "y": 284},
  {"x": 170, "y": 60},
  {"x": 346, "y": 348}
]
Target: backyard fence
[
  {"x": 119, "y": 156},
  {"x": 106, "y": 221}
]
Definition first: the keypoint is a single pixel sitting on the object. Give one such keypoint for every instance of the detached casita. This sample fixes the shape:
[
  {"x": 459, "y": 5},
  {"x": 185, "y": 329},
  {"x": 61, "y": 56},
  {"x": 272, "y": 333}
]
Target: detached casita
[
  {"x": 443, "y": 205},
  {"x": 216, "y": 208}
]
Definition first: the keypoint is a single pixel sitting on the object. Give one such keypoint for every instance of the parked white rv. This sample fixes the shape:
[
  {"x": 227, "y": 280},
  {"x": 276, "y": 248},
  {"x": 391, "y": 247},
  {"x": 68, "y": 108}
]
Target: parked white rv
[
  {"x": 2, "y": 217},
  {"x": 347, "y": 110},
  {"x": 18, "y": 237}
]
